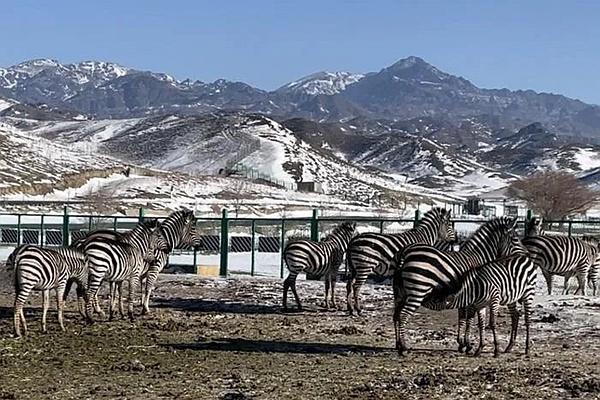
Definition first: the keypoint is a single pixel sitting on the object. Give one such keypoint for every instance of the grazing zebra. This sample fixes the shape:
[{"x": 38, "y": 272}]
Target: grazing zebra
[
  {"x": 178, "y": 230},
  {"x": 562, "y": 255},
  {"x": 372, "y": 252},
  {"x": 37, "y": 268},
  {"x": 507, "y": 282},
  {"x": 317, "y": 258},
  {"x": 426, "y": 269}
]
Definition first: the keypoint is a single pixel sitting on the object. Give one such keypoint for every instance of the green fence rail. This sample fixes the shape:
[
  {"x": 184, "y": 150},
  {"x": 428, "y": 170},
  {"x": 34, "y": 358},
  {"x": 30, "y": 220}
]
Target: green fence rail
[{"x": 250, "y": 246}]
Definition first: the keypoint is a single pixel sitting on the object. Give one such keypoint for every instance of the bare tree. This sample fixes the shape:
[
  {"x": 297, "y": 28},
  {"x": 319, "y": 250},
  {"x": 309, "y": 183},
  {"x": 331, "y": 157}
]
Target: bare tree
[
  {"x": 237, "y": 195},
  {"x": 553, "y": 194}
]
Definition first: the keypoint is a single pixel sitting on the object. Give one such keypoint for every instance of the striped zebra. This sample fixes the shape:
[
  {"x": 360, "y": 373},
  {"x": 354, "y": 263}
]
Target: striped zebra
[
  {"x": 372, "y": 252},
  {"x": 426, "y": 269},
  {"x": 318, "y": 258},
  {"x": 112, "y": 261},
  {"x": 507, "y": 281},
  {"x": 177, "y": 230},
  {"x": 594, "y": 272},
  {"x": 563, "y": 255},
  {"x": 118, "y": 260},
  {"x": 44, "y": 269},
  {"x": 534, "y": 227}
]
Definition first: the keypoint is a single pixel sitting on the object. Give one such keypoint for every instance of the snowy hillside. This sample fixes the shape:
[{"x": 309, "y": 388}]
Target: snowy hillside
[{"x": 326, "y": 83}]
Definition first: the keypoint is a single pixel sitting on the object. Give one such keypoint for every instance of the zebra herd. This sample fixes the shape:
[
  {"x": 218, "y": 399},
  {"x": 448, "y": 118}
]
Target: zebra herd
[
  {"x": 134, "y": 257},
  {"x": 494, "y": 267}
]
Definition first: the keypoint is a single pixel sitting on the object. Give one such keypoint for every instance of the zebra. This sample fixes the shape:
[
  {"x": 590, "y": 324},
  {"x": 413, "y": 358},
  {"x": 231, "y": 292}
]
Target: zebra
[
  {"x": 534, "y": 227},
  {"x": 114, "y": 262},
  {"x": 563, "y": 255},
  {"x": 505, "y": 281},
  {"x": 317, "y": 258},
  {"x": 594, "y": 272},
  {"x": 425, "y": 269},
  {"x": 177, "y": 230},
  {"x": 44, "y": 269},
  {"x": 372, "y": 252}
]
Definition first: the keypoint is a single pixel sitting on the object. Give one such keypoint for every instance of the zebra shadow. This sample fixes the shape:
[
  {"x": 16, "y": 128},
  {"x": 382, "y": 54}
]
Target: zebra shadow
[
  {"x": 276, "y": 346},
  {"x": 202, "y": 305}
]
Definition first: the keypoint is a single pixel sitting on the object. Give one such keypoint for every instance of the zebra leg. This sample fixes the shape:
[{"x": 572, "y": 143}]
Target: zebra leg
[
  {"x": 45, "y": 305},
  {"x": 461, "y": 324},
  {"x": 527, "y": 307},
  {"x": 60, "y": 303},
  {"x": 581, "y": 278},
  {"x": 548, "y": 278},
  {"x": 566, "y": 285},
  {"x": 81, "y": 299},
  {"x": 327, "y": 285},
  {"x": 112, "y": 289},
  {"x": 349, "y": 294},
  {"x": 469, "y": 316},
  {"x": 407, "y": 307},
  {"x": 286, "y": 287},
  {"x": 19, "y": 315},
  {"x": 360, "y": 280},
  {"x": 151, "y": 279},
  {"x": 120, "y": 299},
  {"x": 67, "y": 289},
  {"x": 493, "y": 313},
  {"x": 481, "y": 326},
  {"x": 133, "y": 284},
  {"x": 333, "y": 282},
  {"x": 94, "y": 283},
  {"x": 514, "y": 318}
]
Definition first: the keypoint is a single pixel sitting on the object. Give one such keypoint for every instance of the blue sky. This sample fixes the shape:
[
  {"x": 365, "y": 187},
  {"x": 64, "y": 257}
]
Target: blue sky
[{"x": 548, "y": 46}]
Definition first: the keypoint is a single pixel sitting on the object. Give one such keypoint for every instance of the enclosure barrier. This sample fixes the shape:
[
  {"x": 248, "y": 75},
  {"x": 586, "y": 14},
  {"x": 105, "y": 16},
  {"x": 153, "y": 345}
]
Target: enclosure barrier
[{"x": 251, "y": 246}]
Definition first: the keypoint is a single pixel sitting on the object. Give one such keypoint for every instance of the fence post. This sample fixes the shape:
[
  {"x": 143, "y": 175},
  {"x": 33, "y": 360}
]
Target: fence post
[
  {"x": 141, "y": 214},
  {"x": 417, "y": 217},
  {"x": 65, "y": 233},
  {"x": 314, "y": 226},
  {"x": 42, "y": 230},
  {"x": 282, "y": 239},
  {"x": 252, "y": 254},
  {"x": 224, "y": 242},
  {"x": 570, "y": 228},
  {"x": 195, "y": 260},
  {"x": 529, "y": 215},
  {"x": 18, "y": 229}
]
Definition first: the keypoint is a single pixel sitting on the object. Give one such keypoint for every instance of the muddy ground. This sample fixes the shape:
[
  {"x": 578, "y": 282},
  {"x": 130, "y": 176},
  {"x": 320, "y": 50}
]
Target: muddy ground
[{"x": 228, "y": 339}]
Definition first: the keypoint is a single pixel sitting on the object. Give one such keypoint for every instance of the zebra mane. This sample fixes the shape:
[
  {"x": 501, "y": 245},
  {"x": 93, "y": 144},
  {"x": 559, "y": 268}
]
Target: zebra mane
[
  {"x": 345, "y": 227},
  {"x": 498, "y": 225},
  {"x": 436, "y": 214}
]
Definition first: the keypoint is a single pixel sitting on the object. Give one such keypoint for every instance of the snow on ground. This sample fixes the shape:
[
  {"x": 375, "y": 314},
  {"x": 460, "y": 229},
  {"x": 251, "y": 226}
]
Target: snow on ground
[{"x": 587, "y": 158}]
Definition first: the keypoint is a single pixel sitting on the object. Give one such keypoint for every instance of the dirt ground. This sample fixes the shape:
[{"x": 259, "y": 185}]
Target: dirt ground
[{"x": 228, "y": 339}]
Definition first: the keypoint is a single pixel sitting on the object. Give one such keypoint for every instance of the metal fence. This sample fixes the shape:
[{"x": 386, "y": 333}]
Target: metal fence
[{"x": 250, "y": 246}]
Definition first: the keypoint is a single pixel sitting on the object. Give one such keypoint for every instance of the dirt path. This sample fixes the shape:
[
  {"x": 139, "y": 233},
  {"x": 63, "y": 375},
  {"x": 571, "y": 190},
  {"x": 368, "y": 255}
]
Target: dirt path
[{"x": 227, "y": 339}]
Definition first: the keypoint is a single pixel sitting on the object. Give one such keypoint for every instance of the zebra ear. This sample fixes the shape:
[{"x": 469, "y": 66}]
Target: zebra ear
[{"x": 512, "y": 224}]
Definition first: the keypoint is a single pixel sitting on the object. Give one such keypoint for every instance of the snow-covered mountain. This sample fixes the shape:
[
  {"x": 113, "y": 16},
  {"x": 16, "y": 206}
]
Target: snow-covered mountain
[
  {"x": 408, "y": 89},
  {"x": 321, "y": 83}
]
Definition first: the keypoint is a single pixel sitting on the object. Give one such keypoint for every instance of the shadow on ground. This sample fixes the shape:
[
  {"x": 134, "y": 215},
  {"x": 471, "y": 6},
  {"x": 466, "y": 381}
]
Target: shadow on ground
[{"x": 274, "y": 346}]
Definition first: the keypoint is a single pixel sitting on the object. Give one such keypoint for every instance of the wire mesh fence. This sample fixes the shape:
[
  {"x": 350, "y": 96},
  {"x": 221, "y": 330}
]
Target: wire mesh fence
[{"x": 247, "y": 246}]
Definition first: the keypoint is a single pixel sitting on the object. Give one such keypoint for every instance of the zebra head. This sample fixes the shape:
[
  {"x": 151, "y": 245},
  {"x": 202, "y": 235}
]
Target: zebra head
[
  {"x": 343, "y": 233},
  {"x": 508, "y": 238},
  {"x": 179, "y": 229},
  {"x": 437, "y": 222},
  {"x": 534, "y": 227}
]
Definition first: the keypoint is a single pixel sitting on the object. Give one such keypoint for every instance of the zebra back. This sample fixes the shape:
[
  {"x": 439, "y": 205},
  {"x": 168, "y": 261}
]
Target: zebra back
[{"x": 495, "y": 239}]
